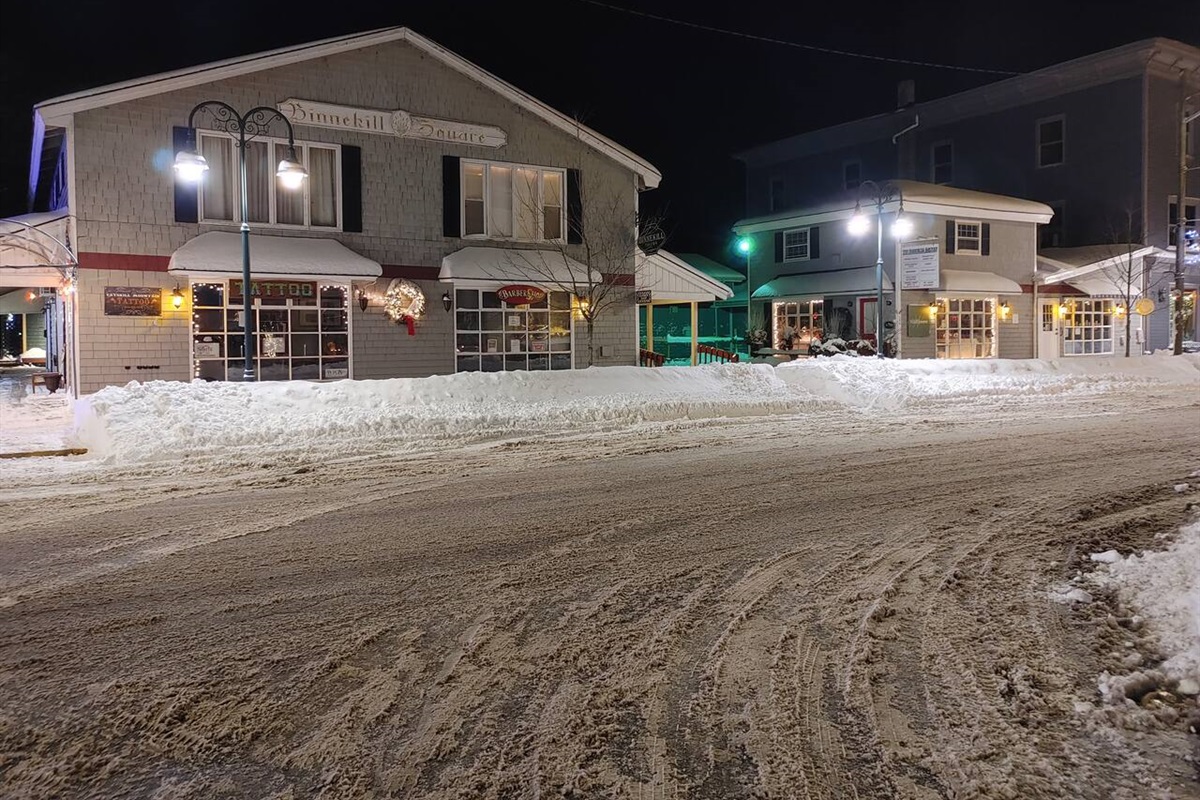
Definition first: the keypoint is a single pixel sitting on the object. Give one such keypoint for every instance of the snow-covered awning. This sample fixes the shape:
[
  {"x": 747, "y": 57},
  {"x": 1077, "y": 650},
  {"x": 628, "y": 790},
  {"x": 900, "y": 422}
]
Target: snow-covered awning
[
  {"x": 35, "y": 244},
  {"x": 670, "y": 279},
  {"x": 272, "y": 256},
  {"x": 1099, "y": 285},
  {"x": 497, "y": 265},
  {"x": 815, "y": 285},
  {"x": 961, "y": 280}
]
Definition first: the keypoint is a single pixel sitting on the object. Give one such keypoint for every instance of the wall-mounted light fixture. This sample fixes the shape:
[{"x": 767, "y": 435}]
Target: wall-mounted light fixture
[
  {"x": 176, "y": 298},
  {"x": 447, "y": 301},
  {"x": 933, "y": 309},
  {"x": 1063, "y": 310},
  {"x": 363, "y": 300},
  {"x": 1005, "y": 310},
  {"x": 31, "y": 296}
]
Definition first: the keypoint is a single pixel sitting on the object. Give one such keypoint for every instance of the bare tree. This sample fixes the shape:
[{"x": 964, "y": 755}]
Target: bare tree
[
  {"x": 1126, "y": 271},
  {"x": 596, "y": 259}
]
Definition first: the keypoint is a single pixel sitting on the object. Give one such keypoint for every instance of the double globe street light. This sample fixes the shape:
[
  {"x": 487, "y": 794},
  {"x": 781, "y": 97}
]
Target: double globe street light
[
  {"x": 901, "y": 227},
  {"x": 190, "y": 166}
]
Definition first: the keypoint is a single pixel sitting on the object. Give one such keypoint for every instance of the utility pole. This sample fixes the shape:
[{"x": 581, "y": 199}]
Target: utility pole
[{"x": 1180, "y": 210}]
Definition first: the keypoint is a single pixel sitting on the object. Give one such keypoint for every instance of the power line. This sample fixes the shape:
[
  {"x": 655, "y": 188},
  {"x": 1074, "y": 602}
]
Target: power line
[{"x": 798, "y": 45}]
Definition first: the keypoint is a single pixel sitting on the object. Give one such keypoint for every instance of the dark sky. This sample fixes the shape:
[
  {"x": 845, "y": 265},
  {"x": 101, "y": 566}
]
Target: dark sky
[{"x": 681, "y": 97}]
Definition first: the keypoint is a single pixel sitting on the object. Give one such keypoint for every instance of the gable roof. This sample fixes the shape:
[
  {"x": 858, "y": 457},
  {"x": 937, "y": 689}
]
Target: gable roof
[
  {"x": 918, "y": 198},
  {"x": 57, "y": 110},
  {"x": 1055, "y": 80},
  {"x": 713, "y": 269}
]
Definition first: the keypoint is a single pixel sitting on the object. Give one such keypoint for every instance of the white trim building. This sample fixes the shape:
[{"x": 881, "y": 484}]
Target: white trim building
[{"x": 419, "y": 162}]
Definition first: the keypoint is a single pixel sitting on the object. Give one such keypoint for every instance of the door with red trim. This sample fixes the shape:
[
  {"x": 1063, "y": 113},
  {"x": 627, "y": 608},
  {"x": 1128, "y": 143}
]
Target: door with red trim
[{"x": 866, "y": 318}]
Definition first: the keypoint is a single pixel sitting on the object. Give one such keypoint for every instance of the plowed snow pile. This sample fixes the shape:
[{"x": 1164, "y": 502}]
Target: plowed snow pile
[{"x": 167, "y": 421}]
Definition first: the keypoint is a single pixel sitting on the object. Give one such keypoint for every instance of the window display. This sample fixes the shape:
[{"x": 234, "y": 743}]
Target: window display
[{"x": 491, "y": 336}]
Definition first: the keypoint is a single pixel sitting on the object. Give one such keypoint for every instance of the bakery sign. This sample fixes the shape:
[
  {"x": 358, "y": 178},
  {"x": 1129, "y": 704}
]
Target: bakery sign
[
  {"x": 519, "y": 294},
  {"x": 390, "y": 123},
  {"x": 132, "y": 301}
]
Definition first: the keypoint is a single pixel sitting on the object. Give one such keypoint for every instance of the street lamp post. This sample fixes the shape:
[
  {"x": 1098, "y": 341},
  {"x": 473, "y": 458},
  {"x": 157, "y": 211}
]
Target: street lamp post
[
  {"x": 745, "y": 246},
  {"x": 191, "y": 166},
  {"x": 901, "y": 227}
]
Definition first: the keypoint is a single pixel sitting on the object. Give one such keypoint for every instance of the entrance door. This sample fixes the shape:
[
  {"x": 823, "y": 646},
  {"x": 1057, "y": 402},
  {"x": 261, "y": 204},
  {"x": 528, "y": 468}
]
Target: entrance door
[
  {"x": 866, "y": 318},
  {"x": 1048, "y": 330}
]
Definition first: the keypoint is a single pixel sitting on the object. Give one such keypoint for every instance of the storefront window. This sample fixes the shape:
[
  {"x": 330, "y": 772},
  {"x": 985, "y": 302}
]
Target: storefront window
[
  {"x": 966, "y": 327},
  {"x": 1088, "y": 328},
  {"x": 493, "y": 337},
  {"x": 301, "y": 330},
  {"x": 804, "y": 320}
]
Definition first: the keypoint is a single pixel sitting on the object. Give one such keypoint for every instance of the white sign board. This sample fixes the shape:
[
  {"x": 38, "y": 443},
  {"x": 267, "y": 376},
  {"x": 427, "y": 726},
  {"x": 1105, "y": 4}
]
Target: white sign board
[
  {"x": 919, "y": 264},
  {"x": 390, "y": 123}
]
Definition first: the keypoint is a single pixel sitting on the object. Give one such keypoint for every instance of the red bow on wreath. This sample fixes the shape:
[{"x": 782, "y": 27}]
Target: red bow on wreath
[{"x": 411, "y": 323}]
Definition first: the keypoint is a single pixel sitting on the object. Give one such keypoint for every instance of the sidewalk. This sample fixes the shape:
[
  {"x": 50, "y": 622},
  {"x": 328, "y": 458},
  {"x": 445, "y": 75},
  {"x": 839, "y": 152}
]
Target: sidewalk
[{"x": 35, "y": 424}]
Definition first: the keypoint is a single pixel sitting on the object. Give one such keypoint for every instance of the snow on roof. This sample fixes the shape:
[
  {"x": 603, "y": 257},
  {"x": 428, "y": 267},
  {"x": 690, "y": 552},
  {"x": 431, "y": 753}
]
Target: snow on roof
[
  {"x": 1094, "y": 255},
  {"x": 713, "y": 269},
  {"x": 669, "y": 277},
  {"x": 56, "y": 110},
  {"x": 857, "y": 280},
  {"x": 961, "y": 280},
  {"x": 919, "y": 198},
  {"x": 221, "y": 252},
  {"x": 511, "y": 265}
]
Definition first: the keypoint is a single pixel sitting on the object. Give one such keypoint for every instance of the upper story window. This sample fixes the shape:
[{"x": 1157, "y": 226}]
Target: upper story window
[
  {"x": 1191, "y": 225},
  {"x": 942, "y": 158},
  {"x": 1053, "y": 233},
  {"x": 968, "y": 237},
  {"x": 852, "y": 174},
  {"x": 316, "y": 205},
  {"x": 796, "y": 244},
  {"x": 1052, "y": 141},
  {"x": 512, "y": 201},
  {"x": 775, "y": 195}
]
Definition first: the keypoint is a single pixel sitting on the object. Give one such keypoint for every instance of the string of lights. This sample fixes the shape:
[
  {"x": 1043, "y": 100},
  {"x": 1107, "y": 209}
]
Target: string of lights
[{"x": 786, "y": 43}]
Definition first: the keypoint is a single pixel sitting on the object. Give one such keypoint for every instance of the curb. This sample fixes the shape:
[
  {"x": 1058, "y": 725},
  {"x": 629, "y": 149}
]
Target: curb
[{"x": 66, "y": 451}]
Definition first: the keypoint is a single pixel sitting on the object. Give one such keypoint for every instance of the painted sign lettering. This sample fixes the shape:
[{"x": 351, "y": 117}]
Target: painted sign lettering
[
  {"x": 132, "y": 301},
  {"x": 519, "y": 294},
  {"x": 390, "y": 123}
]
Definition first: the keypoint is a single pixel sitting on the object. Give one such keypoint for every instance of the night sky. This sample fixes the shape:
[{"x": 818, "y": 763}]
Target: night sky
[{"x": 682, "y": 97}]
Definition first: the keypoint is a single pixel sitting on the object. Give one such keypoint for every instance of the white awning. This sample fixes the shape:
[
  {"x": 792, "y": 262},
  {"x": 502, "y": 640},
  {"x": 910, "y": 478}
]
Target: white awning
[
  {"x": 859, "y": 280},
  {"x": 498, "y": 265},
  {"x": 272, "y": 256},
  {"x": 670, "y": 279},
  {"x": 961, "y": 280},
  {"x": 1099, "y": 285}
]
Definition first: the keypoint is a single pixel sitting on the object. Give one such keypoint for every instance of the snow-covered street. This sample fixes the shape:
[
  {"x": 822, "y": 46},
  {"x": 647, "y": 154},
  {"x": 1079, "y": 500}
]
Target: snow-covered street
[{"x": 818, "y": 581}]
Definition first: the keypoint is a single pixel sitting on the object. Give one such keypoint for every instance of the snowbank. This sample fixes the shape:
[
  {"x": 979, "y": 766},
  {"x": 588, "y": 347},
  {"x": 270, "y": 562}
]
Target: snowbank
[
  {"x": 1164, "y": 588},
  {"x": 161, "y": 420}
]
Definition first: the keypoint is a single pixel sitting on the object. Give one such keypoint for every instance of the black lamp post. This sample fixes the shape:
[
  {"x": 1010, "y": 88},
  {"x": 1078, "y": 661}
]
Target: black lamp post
[
  {"x": 901, "y": 227},
  {"x": 191, "y": 166}
]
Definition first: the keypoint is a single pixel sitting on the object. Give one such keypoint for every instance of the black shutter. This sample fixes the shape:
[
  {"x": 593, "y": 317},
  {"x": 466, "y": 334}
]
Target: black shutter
[
  {"x": 779, "y": 247},
  {"x": 451, "y": 198},
  {"x": 814, "y": 242},
  {"x": 985, "y": 242},
  {"x": 187, "y": 195},
  {"x": 950, "y": 236},
  {"x": 351, "y": 189},
  {"x": 574, "y": 208}
]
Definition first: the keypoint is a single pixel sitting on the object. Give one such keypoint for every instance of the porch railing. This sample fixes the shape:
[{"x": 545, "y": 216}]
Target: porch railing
[
  {"x": 649, "y": 358},
  {"x": 707, "y": 354}
]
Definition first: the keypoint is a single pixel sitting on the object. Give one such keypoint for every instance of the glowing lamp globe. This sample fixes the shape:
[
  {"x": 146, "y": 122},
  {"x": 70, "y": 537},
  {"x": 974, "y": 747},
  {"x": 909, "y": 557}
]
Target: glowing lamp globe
[
  {"x": 291, "y": 172},
  {"x": 859, "y": 224},
  {"x": 744, "y": 246},
  {"x": 190, "y": 166},
  {"x": 902, "y": 227}
]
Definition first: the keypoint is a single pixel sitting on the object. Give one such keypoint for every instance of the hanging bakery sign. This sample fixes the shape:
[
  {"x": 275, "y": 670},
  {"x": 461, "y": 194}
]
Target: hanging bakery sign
[{"x": 390, "y": 123}]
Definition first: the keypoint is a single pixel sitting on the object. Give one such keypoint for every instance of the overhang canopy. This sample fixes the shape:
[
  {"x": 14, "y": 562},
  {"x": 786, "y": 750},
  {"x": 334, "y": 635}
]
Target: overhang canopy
[
  {"x": 961, "y": 280},
  {"x": 670, "y": 279},
  {"x": 815, "y": 285},
  {"x": 498, "y": 265},
  {"x": 272, "y": 256}
]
